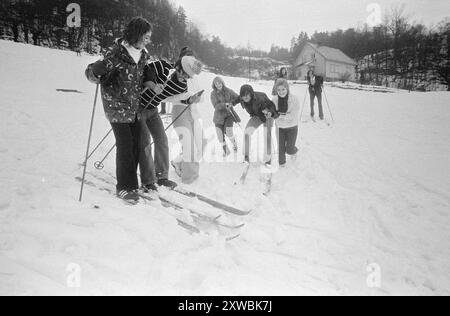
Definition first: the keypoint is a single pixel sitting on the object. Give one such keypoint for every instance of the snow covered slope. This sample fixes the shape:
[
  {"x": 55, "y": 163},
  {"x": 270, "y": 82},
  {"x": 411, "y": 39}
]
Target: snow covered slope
[{"x": 370, "y": 191}]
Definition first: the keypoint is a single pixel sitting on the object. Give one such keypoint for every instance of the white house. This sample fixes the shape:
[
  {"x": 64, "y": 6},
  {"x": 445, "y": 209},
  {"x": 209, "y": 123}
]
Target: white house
[{"x": 331, "y": 63}]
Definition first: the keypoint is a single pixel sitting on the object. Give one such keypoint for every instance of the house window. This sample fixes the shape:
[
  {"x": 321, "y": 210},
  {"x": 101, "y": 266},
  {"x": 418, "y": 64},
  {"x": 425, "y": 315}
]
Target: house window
[{"x": 333, "y": 69}]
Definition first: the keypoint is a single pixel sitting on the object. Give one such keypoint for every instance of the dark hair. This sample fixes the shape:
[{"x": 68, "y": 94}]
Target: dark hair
[
  {"x": 186, "y": 51},
  {"x": 136, "y": 29},
  {"x": 178, "y": 65},
  {"x": 246, "y": 90},
  {"x": 282, "y": 70}
]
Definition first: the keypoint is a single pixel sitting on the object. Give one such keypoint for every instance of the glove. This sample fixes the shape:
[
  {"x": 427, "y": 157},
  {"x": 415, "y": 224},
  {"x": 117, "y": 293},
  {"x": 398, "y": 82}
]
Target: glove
[
  {"x": 99, "y": 68},
  {"x": 158, "y": 89},
  {"x": 194, "y": 99},
  {"x": 229, "y": 106},
  {"x": 267, "y": 114}
]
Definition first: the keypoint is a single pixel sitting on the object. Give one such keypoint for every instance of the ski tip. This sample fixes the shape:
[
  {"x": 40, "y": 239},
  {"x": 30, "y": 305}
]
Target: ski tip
[
  {"x": 188, "y": 227},
  {"x": 233, "y": 237}
]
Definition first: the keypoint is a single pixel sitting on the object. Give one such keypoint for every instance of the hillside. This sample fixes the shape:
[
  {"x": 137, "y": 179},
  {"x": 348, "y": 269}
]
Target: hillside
[{"x": 370, "y": 191}]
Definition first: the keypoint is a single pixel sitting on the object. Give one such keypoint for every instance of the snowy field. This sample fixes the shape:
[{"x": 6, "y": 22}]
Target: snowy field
[{"x": 364, "y": 210}]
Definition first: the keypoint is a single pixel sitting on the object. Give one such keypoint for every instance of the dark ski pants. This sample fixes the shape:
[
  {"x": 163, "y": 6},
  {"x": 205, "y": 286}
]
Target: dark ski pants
[
  {"x": 127, "y": 155},
  {"x": 254, "y": 123},
  {"x": 152, "y": 127},
  {"x": 287, "y": 138},
  {"x": 313, "y": 95}
]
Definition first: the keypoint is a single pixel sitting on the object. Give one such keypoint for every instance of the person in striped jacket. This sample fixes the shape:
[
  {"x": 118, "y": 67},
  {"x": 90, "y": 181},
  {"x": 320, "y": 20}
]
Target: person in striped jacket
[{"x": 162, "y": 82}]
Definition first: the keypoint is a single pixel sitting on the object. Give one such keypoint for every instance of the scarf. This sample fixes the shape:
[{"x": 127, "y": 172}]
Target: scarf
[
  {"x": 134, "y": 52},
  {"x": 283, "y": 104}
]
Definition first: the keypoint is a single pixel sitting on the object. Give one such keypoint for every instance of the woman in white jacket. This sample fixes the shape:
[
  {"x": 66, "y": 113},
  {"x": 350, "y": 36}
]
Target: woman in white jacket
[
  {"x": 186, "y": 122},
  {"x": 288, "y": 106}
]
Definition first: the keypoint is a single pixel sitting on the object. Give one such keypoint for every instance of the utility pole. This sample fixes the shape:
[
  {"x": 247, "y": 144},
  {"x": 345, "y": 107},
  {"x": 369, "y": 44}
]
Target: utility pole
[{"x": 249, "y": 61}]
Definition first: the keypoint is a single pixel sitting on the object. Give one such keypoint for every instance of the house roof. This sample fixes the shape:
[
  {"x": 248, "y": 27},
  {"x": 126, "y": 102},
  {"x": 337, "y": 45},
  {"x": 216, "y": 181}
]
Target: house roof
[{"x": 333, "y": 54}]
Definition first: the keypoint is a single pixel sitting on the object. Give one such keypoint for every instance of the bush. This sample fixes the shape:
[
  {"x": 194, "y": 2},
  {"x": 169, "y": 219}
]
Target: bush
[{"x": 345, "y": 77}]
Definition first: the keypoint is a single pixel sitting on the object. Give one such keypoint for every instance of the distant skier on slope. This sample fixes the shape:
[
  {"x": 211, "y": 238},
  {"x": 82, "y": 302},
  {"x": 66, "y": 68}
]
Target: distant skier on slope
[
  {"x": 222, "y": 98},
  {"x": 315, "y": 83},
  {"x": 288, "y": 106},
  {"x": 120, "y": 74},
  {"x": 262, "y": 111}
]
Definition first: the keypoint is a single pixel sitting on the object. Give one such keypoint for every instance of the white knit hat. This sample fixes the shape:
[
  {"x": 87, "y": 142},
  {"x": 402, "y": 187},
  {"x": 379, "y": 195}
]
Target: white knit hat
[{"x": 191, "y": 66}]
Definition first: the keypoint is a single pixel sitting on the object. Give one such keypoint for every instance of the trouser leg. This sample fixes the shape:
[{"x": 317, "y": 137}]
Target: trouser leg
[
  {"x": 319, "y": 100},
  {"x": 250, "y": 129},
  {"x": 291, "y": 140},
  {"x": 281, "y": 146},
  {"x": 312, "y": 96},
  {"x": 146, "y": 161},
  {"x": 161, "y": 144},
  {"x": 127, "y": 142}
]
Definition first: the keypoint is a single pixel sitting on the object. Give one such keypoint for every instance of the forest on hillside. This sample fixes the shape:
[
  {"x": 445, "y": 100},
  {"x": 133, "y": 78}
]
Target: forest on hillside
[{"x": 396, "y": 49}]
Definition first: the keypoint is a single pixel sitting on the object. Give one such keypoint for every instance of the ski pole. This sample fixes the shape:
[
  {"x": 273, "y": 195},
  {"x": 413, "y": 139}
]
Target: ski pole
[
  {"x": 235, "y": 119},
  {"x": 328, "y": 104},
  {"x": 176, "y": 119},
  {"x": 99, "y": 144},
  {"x": 169, "y": 76},
  {"x": 99, "y": 164},
  {"x": 304, "y": 102},
  {"x": 89, "y": 143},
  {"x": 171, "y": 72}
]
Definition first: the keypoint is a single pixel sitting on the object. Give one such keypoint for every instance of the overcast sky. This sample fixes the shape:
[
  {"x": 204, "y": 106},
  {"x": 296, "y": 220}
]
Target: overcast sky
[{"x": 263, "y": 22}]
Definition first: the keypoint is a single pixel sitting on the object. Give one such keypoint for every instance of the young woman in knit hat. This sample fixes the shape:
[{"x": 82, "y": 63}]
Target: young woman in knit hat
[
  {"x": 288, "y": 106},
  {"x": 185, "y": 116}
]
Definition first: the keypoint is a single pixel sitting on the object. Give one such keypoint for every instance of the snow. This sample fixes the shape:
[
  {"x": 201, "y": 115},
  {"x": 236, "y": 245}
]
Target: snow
[{"x": 372, "y": 190}]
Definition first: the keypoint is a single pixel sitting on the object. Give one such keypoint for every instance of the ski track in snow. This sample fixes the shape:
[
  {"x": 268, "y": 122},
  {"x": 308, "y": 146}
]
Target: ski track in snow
[{"x": 372, "y": 188}]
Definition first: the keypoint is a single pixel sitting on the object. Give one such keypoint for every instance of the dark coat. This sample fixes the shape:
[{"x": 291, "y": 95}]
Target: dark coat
[
  {"x": 259, "y": 102},
  {"x": 317, "y": 86},
  {"x": 219, "y": 99},
  {"x": 122, "y": 84}
]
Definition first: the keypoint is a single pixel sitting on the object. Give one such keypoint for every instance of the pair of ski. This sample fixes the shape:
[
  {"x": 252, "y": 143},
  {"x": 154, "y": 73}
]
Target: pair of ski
[
  {"x": 194, "y": 218},
  {"x": 268, "y": 178},
  {"x": 194, "y": 221}
]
